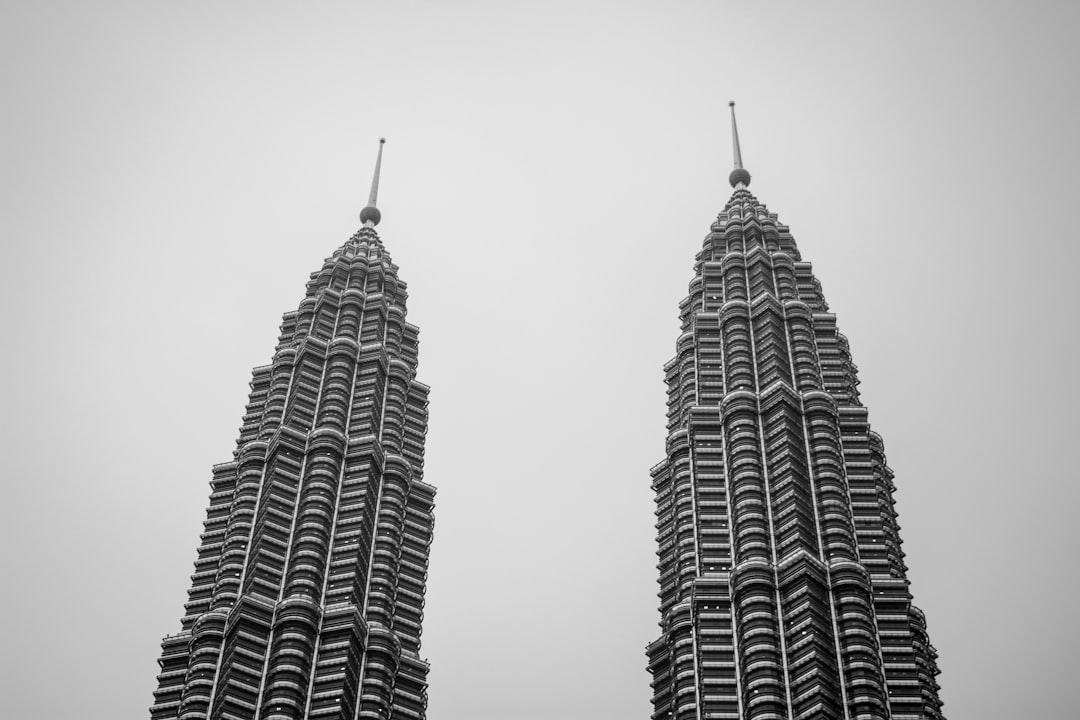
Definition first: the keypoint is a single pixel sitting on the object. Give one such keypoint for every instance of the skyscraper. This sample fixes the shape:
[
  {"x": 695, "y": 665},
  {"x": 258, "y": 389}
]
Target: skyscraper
[
  {"x": 783, "y": 589},
  {"x": 308, "y": 590}
]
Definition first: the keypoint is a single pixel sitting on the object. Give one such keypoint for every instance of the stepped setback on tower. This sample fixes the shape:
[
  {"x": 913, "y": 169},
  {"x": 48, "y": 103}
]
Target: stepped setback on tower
[
  {"x": 783, "y": 590},
  {"x": 308, "y": 590}
]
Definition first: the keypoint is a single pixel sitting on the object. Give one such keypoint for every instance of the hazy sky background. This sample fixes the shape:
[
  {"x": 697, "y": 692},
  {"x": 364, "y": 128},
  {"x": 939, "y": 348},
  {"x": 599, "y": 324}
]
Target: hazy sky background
[{"x": 172, "y": 172}]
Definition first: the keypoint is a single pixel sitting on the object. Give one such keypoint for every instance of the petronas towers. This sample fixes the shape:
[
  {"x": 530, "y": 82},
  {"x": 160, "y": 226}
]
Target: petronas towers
[
  {"x": 783, "y": 590},
  {"x": 782, "y": 585},
  {"x": 308, "y": 589}
]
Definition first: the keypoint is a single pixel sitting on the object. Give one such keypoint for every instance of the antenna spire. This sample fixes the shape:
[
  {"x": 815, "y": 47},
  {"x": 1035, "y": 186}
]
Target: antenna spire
[
  {"x": 738, "y": 176},
  {"x": 370, "y": 215}
]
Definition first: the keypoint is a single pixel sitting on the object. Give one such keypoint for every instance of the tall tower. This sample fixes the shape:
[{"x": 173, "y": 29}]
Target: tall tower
[
  {"x": 783, "y": 589},
  {"x": 308, "y": 590}
]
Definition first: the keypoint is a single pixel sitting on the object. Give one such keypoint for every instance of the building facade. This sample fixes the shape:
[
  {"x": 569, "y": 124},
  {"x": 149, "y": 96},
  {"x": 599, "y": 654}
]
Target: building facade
[
  {"x": 308, "y": 592},
  {"x": 783, "y": 589}
]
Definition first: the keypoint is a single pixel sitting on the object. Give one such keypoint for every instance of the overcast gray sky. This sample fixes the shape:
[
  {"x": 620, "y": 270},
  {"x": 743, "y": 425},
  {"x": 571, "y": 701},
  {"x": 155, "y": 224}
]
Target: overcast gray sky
[{"x": 173, "y": 171}]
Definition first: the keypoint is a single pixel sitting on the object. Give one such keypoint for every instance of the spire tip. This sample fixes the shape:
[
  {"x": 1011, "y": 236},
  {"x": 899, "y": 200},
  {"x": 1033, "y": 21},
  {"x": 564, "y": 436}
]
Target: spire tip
[
  {"x": 739, "y": 176},
  {"x": 370, "y": 215}
]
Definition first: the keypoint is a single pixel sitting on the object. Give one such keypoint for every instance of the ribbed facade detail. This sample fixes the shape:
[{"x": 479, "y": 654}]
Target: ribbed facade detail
[
  {"x": 308, "y": 592},
  {"x": 783, "y": 590}
]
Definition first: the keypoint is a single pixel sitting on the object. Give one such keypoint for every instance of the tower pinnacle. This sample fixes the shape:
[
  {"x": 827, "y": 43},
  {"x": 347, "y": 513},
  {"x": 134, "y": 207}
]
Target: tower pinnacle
[
  {"x": 370, "y": 215},
  {"x": 739, "y": 175}
]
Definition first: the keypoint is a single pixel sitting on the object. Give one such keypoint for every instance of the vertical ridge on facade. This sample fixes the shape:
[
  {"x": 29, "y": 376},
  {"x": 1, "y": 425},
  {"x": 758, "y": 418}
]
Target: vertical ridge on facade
[
  {"x": 308, "y": 592},
  {"x": 783, "y": 591}
]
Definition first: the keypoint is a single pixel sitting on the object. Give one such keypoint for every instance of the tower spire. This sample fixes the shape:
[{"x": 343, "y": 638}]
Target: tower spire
[
  {"x": 370, "y": 215},
  {"x": 739, "y": 175}
]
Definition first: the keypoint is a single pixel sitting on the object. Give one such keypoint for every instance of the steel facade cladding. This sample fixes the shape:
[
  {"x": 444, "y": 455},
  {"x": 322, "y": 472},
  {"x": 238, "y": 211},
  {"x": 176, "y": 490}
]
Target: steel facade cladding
[
  {"x": 308, "y": 590},
  {"x": 783, "y": 591}
]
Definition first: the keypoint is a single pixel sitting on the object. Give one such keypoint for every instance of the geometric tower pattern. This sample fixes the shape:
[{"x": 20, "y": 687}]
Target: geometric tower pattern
[
  {"x": 783, "y": 589},
  {"x": 308, "y": 590}
]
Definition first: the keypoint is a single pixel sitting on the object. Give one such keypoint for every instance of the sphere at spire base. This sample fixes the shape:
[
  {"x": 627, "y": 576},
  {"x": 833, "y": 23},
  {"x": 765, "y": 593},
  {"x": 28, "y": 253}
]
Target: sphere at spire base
[{"x": 370, "y": 214}]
